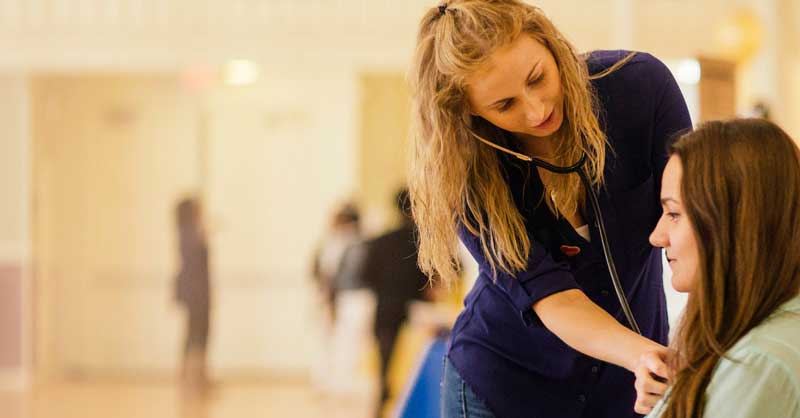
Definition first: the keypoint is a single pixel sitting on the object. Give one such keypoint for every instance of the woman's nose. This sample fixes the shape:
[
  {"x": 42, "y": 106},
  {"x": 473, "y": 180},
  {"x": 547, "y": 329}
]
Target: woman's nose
[
  {"x": 535, "y": 111},
  {"x": 658, "y": 238}
]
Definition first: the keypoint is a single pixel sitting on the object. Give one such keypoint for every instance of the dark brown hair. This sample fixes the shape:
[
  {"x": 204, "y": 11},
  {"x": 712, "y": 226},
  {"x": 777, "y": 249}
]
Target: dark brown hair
[{"x": 741, "y": 192}]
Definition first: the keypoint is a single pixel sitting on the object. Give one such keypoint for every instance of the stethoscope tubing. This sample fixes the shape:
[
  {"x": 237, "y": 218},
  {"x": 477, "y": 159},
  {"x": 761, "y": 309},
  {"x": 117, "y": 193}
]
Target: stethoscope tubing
[
  {"x": 601, "y": 227},
  {"x": 578, "y": 168}
]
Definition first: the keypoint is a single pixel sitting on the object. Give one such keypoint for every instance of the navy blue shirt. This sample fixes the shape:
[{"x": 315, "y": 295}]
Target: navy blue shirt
[{"x": 517, "y": 366}]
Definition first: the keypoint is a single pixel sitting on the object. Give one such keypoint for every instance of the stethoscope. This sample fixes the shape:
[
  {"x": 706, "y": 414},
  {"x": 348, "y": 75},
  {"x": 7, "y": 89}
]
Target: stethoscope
[{"x": 601, "y": 227}]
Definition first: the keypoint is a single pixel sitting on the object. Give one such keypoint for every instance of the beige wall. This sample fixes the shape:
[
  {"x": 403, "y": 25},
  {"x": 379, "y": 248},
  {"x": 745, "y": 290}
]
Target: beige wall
[
  {"x": 383, "y": 145},
  {"x": 271, "y": 161},
  {"x": 15, "y": 212},
  {"x": 15, "y": 165},
  {"x": 112, "y": 155},
  {"x": 282, "y": 153},
  {"x": 789, "y": 64}
]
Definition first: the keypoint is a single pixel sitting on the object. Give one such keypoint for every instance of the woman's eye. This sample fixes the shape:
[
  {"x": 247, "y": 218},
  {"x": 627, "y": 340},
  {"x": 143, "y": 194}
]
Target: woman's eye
[
  {"x": 506, "y": 105},
  {"x": 535, "y": 80}
]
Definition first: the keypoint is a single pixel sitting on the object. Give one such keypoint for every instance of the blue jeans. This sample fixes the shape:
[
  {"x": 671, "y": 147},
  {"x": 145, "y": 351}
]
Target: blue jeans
[{"x": 458, "y": 400}]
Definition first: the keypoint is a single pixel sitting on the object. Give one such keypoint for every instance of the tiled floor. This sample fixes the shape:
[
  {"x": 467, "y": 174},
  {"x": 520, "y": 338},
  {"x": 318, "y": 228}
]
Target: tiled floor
[{"x": 116, "y": 399}]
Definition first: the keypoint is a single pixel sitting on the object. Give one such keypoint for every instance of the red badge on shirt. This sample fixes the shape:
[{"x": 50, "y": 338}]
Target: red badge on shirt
[{"x": 570, "y": 251}]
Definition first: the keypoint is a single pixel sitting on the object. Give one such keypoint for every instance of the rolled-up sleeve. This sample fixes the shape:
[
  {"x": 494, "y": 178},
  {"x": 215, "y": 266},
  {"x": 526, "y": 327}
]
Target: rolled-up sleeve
[{"x": 543, "y": 276}]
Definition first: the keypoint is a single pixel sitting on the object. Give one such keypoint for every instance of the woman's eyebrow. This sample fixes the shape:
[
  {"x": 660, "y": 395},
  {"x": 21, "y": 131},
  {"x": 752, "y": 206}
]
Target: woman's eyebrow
[{"x": 535, "y": 66}]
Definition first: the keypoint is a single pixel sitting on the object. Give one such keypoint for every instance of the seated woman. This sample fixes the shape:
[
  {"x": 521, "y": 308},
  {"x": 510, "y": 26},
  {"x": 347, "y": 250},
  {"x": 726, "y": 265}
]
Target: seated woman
[{"x": 731, "y": 231}]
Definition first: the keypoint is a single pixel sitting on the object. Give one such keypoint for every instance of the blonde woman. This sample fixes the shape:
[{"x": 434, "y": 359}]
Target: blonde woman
[{"x": 540, "y": 336}]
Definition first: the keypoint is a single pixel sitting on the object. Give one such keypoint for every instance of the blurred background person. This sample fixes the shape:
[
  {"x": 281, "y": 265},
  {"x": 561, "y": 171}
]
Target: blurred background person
[
  {"x": 193, "y": 292},
  {"x": 344, "y": 232},
  {"x": 391, "y": 271}
]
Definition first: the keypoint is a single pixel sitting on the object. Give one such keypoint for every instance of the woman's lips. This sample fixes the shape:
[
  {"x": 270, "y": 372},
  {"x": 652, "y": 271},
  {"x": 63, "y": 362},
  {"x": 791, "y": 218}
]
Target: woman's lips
[{"x": 546, "y": 121}]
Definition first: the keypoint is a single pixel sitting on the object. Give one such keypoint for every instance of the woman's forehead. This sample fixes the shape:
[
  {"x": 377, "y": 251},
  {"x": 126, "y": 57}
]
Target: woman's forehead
[
  {"x": 671, "y": 180},
  {"x": 506, "y": 69}
]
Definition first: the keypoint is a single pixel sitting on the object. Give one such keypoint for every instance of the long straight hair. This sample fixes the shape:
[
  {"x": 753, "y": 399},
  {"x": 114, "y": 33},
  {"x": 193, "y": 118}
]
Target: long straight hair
[{"x": 741, "y": 193}]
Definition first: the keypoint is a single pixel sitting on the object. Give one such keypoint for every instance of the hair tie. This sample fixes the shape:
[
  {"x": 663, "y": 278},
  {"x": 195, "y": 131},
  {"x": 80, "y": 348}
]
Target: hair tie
[{"x": 442, "y": 9}]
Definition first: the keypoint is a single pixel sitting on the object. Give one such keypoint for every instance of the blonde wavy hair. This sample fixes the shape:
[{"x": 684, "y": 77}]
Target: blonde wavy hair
[{"x": 455, "y": 178}]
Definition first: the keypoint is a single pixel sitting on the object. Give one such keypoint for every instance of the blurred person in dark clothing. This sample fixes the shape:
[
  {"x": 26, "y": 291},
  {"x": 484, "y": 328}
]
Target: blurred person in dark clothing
[
  {"x": 390, "y": 270},
  {"x": 192, "y": 291}
]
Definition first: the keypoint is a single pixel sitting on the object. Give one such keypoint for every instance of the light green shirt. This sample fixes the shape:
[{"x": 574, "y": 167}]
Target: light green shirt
[{"x": 764, "y": 382}]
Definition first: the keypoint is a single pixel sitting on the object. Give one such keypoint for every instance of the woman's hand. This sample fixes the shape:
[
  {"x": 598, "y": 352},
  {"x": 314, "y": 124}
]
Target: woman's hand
[{"x": 652, "y": 379}]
